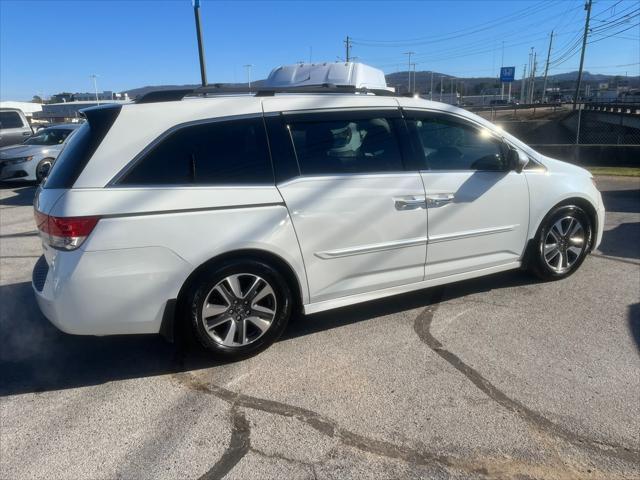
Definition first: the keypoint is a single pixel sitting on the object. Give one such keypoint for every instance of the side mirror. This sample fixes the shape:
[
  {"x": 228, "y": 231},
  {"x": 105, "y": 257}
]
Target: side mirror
[{"x": 517, "y": 159}]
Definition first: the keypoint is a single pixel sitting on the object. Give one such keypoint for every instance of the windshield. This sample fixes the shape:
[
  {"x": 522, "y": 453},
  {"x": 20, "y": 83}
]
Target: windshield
[{"x": 49, "y": 136}]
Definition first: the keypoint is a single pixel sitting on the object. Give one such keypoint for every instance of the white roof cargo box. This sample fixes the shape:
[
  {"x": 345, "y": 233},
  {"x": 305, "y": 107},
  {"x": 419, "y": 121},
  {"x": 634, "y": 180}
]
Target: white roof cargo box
[{"x": 356, "y": 74}]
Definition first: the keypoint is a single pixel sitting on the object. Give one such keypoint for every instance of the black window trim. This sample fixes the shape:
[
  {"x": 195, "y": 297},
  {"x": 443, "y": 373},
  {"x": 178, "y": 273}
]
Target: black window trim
[
  {"x": 140, "y": 156},
  {"x": 452, "y": 116},
  {"x": 100, "y": 119},
  {"x": 388, "y": 112}
]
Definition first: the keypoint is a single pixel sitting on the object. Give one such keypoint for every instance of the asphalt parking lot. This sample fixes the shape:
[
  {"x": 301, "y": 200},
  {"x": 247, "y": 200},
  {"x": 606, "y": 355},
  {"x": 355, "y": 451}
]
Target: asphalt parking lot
[{"x": 501, "y": 377}]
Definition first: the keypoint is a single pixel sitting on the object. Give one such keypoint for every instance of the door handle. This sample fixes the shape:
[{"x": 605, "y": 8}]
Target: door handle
[
  {"x": 409, "y": 203},
  {"x": 439, "y": 199},
  {"x": 26, "y": 134}
]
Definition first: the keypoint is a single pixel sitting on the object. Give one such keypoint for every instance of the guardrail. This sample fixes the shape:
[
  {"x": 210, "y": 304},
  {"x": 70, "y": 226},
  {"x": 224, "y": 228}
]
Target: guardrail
[
  {"x": 617, "y": 107},
  {"x": 511, "y": 106}
]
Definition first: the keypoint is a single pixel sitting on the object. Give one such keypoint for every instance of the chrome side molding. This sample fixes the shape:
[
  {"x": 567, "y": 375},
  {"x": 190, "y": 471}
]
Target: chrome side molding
[{"x": 376, "y": 247}]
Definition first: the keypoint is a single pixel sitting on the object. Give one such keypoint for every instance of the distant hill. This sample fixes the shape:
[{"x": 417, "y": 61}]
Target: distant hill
[
  {"x": 479, "y": 85},
  {"x": 472, "y": 85}
]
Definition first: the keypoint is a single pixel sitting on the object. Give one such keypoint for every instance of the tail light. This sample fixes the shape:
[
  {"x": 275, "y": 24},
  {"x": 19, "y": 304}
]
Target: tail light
[{"x": 64, "y": 233}]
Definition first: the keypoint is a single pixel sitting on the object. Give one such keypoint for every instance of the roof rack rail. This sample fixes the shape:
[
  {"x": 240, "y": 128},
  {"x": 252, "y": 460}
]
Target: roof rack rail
[
  {"x": 322, "y": 88},
  {"x": 170, "y": 95},
  {"x": 167, "y": 95}
]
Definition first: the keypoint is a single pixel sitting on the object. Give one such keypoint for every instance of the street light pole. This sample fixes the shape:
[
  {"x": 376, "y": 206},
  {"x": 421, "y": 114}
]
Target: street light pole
[
  {"x": 203, "y": 68},
  {"x": 248, "y": 67},
  {"x": 95, "y": 86}
]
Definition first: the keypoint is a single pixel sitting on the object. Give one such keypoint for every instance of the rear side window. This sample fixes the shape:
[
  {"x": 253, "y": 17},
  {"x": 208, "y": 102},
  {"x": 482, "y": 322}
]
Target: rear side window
[
  {"x": 454, "y": 145},
  {"x": 10, "y": 120},
  {"x": 216, "y": 153},
  {"x": 346, "y": 146},
  {"x": 81, "y": 146}
]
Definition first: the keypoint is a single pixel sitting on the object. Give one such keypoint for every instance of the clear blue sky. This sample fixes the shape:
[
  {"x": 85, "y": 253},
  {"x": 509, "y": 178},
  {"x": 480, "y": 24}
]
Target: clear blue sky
[{"x": 52, "y": 46}]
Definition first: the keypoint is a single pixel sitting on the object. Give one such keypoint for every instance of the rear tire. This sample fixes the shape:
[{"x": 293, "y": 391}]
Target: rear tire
[
  {"x": 238, "y": 308},
  {"x": 561, "y": 244}
]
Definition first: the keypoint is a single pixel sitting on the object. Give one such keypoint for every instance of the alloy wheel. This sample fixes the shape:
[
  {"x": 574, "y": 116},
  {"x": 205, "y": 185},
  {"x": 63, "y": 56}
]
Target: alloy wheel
[
  {"x": 239, "y": 309},
  {"x": 564, "y": 244}
]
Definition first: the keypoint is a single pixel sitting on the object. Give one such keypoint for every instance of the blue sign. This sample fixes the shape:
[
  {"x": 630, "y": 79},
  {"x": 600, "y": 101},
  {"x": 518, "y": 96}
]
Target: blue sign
[{"x": 507, "y": 74}]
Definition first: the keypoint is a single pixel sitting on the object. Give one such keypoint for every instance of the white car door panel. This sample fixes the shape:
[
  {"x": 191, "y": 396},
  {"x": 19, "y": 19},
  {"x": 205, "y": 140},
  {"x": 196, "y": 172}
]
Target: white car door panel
[
  {"x": 359, "y": 216},
  {"x": 477, "y": 207},
  {"x": 484, "y": 224},
  {"x": 354, "y": 232}
]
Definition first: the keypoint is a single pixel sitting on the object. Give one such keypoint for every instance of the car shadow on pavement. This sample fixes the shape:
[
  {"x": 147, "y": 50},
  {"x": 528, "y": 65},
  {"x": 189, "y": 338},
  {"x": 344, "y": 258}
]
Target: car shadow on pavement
[
  {"x": 622, "y": 241},
  {"x": 624, "y": 201},
  {"x": 387, "y": 306},
  {"x": 36, "y": 357},
  {"x": 24, "y": 194},
  {"x": 634, "y": 323}
]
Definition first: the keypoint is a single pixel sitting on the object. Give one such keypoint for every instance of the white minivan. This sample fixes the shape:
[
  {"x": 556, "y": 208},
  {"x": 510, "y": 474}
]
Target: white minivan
[{"x": 230, "y": 212}]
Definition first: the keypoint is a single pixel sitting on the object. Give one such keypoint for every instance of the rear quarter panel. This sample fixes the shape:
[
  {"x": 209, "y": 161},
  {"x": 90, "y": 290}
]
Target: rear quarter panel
[{"x": 194, "y": 223}]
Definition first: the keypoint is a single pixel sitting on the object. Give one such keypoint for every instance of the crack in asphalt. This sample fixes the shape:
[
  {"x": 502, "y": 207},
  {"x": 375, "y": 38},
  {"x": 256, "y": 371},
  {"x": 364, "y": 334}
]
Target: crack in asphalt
[
  {"x": 422, "y": 327},
  {"x": 321, "y": 424},
  {"x": 239, "y": 446}
]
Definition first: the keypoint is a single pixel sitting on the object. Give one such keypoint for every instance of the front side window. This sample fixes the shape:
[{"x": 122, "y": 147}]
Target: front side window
[
  {"x": 49, "y": 136},
  {"x": 10, "y": 120},
  {"x": 216, "y": 153},
  {"x": 450, "y": 144},
  {"x": 346, "y": 146}
]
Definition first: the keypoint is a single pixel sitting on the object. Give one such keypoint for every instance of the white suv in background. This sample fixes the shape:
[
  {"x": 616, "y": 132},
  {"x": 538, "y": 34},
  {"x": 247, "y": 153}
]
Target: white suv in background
[{"x": 229, "y": 212}]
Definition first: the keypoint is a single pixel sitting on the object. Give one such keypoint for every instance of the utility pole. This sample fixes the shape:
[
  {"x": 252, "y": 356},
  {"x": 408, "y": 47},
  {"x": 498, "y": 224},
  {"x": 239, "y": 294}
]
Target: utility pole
[
  {"x": 431, "y": 91},
  {"x": 523, "y": 84},
  {"x": 414, "y": 77},
  {"x": 248, "y": 67},
  {"x": 502, "y": 65},
  {"x": 546, "y": 70},
  {"x": 409, "y": 53},
  {"x": 203, "y": 68},
  {"x": 347, "y": 44},
  {"x": 587, "y": 7},
  {"x": 94, "y": 77},
  {"x": 441, "y": 86},
  {"x": 533, "y": 77}
]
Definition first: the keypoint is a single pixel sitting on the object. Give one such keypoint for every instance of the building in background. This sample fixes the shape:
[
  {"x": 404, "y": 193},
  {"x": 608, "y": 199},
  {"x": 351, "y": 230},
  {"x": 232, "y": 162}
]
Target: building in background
[
  {"x": 67, "y": 111},
  {"x": 107, "y": 95},
  {"x": 28, "y": 108}
]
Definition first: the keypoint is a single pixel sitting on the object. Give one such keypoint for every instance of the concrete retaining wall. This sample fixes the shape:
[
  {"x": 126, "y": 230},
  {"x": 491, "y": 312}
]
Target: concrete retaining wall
[{"x": 594, "y": 155}]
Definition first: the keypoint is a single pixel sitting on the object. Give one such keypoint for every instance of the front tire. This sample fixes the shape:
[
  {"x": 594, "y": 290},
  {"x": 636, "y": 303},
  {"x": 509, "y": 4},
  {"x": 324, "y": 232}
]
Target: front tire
[
  {"x": 562, "y": 243},
  {"x": 43, "y": 168},
  {"x": 239, "y": 308}
]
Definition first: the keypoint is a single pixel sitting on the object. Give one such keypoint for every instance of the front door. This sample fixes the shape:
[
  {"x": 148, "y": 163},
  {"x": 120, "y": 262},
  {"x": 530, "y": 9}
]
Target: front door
[
  {"x": 478, "y": 209},
  {"x": 359, "y": 215}
]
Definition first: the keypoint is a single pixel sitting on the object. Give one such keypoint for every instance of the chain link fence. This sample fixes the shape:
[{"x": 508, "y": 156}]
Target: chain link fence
[{"x": 593, "y": 134}]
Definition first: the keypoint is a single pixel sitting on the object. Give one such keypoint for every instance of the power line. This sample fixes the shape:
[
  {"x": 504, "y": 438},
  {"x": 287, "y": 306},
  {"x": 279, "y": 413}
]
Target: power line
[
  {"x": 464, "y": 32},
  {"x": 451, "y": 54},
  {"x": 614, "y": 34}
]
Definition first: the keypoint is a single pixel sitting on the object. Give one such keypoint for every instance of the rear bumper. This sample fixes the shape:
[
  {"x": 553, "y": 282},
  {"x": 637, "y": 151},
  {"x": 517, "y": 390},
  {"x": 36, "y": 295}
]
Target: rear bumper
[{"x": 108, "y": 292}]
